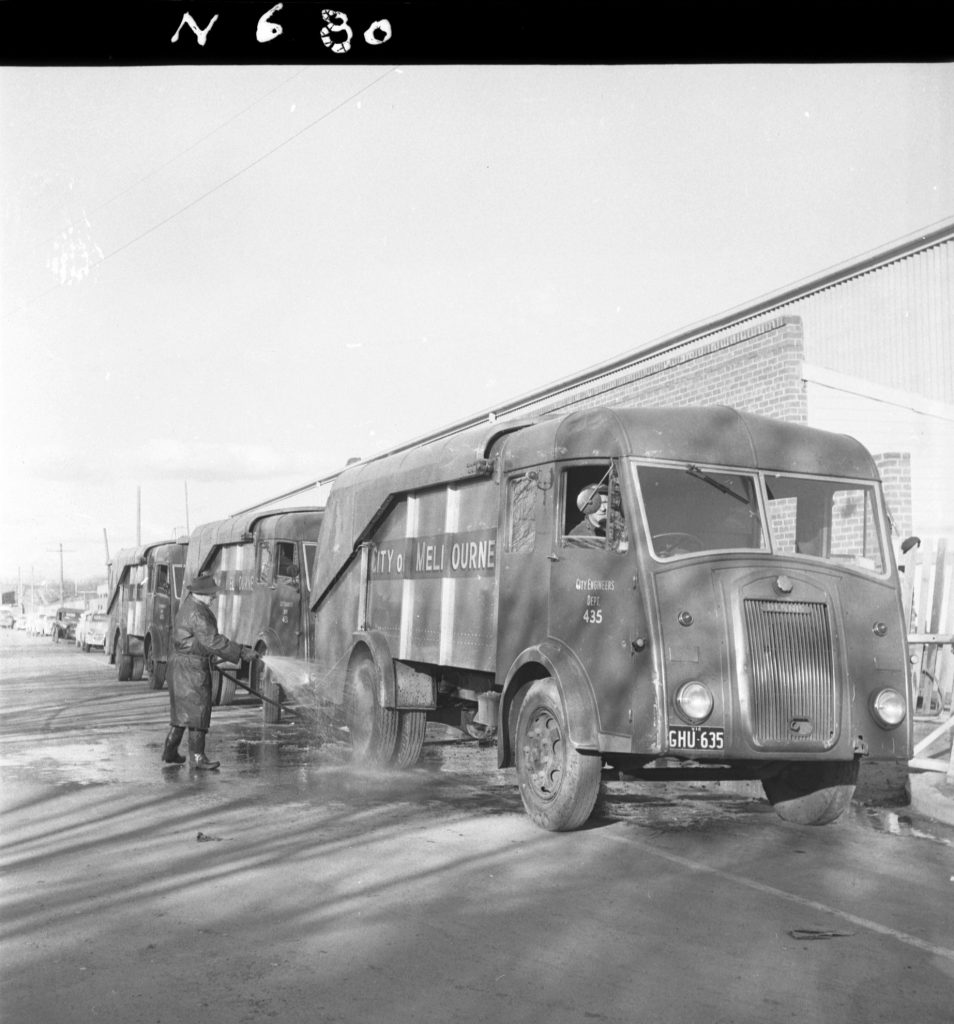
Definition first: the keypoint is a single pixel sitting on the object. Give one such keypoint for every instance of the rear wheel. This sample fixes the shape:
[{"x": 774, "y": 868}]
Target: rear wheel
[
  {"x": 124, "y": 667},
  {"x": 558, "y": 784},
  {"x": 812, "y": 794},
  {"x": 373, "y": 728},
  {"x": 138, "y": 667},
  {"x": 410, "y": 739}
]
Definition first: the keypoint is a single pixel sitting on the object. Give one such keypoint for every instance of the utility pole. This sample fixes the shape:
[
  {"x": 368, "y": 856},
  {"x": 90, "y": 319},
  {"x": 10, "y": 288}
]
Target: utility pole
[{"x": 62, "y": 588}]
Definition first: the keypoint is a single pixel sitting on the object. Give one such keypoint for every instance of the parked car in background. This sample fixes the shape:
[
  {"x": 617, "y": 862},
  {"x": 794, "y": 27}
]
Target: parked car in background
[
  {"x": 91, "y": 630},
  {"x": 21, "y": 623},
  {"x": 40, "y": 623},
  {"x": 63, "y": 625},
  {"x": 7, "y": 619}
]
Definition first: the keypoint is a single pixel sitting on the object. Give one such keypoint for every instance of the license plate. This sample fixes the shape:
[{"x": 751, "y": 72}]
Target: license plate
[{"x": 696, "y": 738}]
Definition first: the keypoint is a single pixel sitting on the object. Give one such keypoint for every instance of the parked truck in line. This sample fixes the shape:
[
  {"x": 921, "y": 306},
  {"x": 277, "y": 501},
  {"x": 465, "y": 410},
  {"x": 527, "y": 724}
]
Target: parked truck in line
[
  {"x": 263, "y": 562},
  {"x": 145, "y": 587},
  {"x": 64, "y": 623},
  {"x": 739, "y": 617}
]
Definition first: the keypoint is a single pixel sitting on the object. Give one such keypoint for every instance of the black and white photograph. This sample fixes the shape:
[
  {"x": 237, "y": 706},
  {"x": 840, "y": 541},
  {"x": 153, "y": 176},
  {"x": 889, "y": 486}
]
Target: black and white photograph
[{"x": 477, "y": 520}]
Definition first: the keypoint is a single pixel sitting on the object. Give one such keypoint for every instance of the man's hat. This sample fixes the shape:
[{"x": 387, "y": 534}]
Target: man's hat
[
  {"x": 588, "y": 500},
  {"x": 204, "y": 585}
]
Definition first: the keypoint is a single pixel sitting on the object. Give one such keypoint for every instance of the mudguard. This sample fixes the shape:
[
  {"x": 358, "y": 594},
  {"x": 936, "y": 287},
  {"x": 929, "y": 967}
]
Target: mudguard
[{"x": 562, "y": 665}]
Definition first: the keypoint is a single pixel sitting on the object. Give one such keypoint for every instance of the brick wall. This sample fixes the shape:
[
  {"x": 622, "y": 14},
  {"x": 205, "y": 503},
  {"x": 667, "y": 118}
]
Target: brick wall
[
  {"x": 895, "y": 470},
  {"x": 757, "y": 370}
]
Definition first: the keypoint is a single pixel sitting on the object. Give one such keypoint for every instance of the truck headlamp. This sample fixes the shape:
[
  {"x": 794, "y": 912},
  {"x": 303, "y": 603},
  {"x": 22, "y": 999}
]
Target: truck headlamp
[
  {"x": 694, "y": 701},
  {"x": 888, "y": 708}
]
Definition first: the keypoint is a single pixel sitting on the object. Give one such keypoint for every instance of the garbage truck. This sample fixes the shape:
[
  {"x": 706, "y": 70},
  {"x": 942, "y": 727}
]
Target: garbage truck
[
  {"x": 263, "y": 563},
  {"x": 144, "y": 592},
  {"x": 669, "y": 593}
]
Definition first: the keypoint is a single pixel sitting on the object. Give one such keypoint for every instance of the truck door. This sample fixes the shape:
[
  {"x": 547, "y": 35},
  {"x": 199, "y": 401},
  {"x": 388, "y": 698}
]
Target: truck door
[
  {"x": 593, "y": 605},
  {"x": 288, "y": 597}
]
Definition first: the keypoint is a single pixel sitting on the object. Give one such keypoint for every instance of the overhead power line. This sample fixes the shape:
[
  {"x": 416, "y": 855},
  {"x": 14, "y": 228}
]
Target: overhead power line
[{"x": 205, "y": 195}]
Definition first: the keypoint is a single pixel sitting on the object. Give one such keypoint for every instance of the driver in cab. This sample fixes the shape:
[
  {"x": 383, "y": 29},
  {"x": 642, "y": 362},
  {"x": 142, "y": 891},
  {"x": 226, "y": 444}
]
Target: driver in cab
[{"x": 592, "y": 502}]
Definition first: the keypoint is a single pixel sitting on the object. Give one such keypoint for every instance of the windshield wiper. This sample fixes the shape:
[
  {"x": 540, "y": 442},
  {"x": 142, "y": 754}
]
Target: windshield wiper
[{"x": 699, "y": 475}]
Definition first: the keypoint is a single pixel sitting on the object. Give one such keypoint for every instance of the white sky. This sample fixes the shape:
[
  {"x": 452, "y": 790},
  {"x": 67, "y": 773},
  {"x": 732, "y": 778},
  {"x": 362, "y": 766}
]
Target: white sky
[{"x": 234, "y": 278}]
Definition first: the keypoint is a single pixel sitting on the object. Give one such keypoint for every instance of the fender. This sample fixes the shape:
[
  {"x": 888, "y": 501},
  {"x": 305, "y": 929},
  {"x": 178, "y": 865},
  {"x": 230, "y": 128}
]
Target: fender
[
  {"x": 271, "y": 640},
  {"x": 563, "y": 666},
  {"x": 377, "y": 646}
]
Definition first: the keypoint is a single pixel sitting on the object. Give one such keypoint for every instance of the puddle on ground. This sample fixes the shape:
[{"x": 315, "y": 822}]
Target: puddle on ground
[{"x": 893, "y": 823}]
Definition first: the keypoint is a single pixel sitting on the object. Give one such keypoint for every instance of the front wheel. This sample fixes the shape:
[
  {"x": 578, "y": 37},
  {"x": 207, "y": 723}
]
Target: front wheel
[
  {"x": 558, "y": 784},
  {"x": 155, "y": 673},
  {"x": 223, "y": 689},
  {"x": 812, "y": 794}
]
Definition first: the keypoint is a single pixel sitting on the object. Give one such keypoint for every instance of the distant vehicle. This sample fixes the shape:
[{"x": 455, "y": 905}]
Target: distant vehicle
[
  {"x": 144, "y": 592},
  {"x": 21, "y": 623},
  {"x": 264, "y": 562},
  {"x": 91, "y": 630},
  {"x": 7, "y": 619},
  {"x": 63, "y": 625},
  {"x": 40, "y": 623}
]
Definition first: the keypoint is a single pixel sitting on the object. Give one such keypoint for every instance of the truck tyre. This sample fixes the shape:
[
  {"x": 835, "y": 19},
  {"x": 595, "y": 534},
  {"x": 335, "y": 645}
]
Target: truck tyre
[
  {"x": 812, "y": 794},
  {"x": 124, "y": 667},
  {"x": 223, "y": 688},
  {"x": 138, "y": 667},
  {"x": 155, "y": 673},
  {"x": 373, "y": 728},
  {"x": 558, "y": 784},
  {"x": 271, "y": 689},
  {"x": 410, "y": 739},
  {"x": 264, "y": 683}
]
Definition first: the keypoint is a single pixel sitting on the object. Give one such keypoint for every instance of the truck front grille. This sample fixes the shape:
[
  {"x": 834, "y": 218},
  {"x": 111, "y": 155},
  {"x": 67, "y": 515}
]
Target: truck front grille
[{"x": 790, "y": 674}]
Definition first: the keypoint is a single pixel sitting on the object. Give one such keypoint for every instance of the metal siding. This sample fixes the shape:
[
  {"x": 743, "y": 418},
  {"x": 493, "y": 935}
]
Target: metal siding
[{"x": 891, "y": 325}]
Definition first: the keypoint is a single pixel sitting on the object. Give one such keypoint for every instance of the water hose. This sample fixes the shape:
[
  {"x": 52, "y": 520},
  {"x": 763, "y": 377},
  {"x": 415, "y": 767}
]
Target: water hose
[{"x": 254, "y": 693}]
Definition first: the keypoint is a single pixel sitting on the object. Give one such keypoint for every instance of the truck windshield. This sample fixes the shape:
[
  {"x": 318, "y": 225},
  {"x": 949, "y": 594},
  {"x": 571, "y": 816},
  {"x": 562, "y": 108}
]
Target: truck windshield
[
  {"x": 832, "y": 519},
  {"x": 690, "y": 509}
]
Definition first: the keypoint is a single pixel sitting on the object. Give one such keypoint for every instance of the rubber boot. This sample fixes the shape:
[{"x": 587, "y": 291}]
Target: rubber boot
[
  {"x": 197, "y": 758},
  {"x": 170, "y": 752}
]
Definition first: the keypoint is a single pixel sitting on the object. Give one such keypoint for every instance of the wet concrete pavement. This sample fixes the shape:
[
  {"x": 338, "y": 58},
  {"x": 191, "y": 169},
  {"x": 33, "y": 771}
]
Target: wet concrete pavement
[{"x": 288, "y": 886}]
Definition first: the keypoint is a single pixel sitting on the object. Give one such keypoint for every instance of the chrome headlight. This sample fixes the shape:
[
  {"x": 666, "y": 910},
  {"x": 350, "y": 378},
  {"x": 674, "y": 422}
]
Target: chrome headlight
[
  {"x": 694, "y": 701},
  {"x": 888, "y": 708}
]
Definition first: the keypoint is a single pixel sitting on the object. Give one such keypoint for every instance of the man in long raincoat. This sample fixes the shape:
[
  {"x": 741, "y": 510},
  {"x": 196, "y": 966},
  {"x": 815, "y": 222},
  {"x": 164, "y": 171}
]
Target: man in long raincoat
[{"x": 196, "y": 640}]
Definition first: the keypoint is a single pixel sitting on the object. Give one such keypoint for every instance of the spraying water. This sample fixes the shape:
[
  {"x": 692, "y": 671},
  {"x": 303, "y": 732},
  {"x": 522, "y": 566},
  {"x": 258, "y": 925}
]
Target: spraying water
[{"x": 295, "y": 678}]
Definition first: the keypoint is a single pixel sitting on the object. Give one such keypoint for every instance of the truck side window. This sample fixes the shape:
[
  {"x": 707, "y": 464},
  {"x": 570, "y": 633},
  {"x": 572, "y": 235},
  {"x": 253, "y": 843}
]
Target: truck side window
[
  {"x": 593, "y": 508},
  {"x": 286, "y": 556},
  {"x": 264, "y": 564},
  {"x": 161, "y": 579},
  {"x": 522, "y": 513}
]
